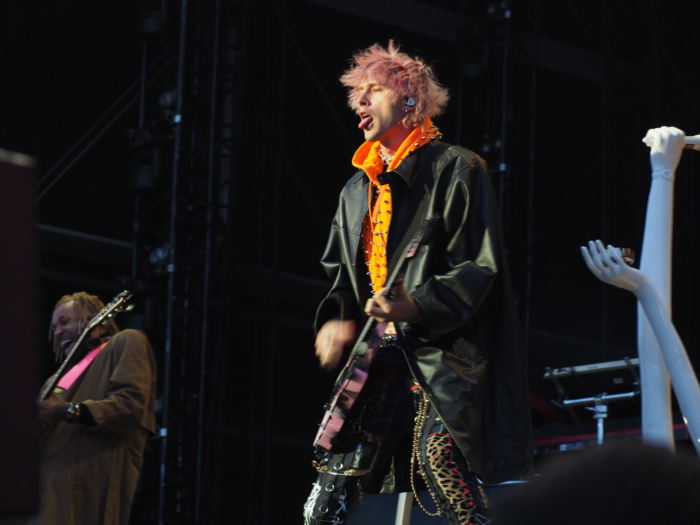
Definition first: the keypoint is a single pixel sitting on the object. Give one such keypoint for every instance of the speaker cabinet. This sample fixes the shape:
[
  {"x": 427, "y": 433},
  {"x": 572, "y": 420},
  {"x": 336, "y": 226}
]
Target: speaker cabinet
[{"x": 19, "y": 333}]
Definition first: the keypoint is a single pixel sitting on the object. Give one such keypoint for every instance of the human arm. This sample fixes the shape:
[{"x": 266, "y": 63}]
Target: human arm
[
  {"x": 52, "y": 410},
  {"x": 340, "y": 302},
  {"x": 127, "y": 377},
  {"x": 338, "y": 313},
  {"x": 450, "y": 277},
  {"x": 666, "y": 145}
]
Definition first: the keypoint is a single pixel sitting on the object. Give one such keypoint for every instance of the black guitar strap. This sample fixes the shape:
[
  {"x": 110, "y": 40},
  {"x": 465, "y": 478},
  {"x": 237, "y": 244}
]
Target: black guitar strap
[{"x": 419, "y": 217}]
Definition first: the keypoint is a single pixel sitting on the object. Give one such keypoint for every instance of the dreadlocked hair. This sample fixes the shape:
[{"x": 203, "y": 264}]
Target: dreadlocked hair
[{"x": 85, "y": 307}]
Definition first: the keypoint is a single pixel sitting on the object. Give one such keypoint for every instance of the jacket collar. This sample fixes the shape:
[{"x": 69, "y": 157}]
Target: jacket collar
[
  {"x": 367, "y": 156},
  {"x": 407, "y": 169}
]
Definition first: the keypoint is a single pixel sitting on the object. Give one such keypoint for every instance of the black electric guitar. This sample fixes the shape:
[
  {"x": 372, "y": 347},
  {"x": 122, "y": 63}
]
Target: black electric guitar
[
  {"x": 120, "y": 303},
  {"x": 352, "y": 378}
]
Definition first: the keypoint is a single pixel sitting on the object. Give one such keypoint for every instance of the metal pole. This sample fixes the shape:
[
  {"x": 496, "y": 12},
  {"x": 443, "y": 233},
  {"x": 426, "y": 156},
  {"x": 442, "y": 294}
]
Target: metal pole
[
  {"x": 403, "y": 508},
  {"x": 171, "y": 295},
  {"x": 532, "y": 159},
  {"x": 503, "y": 159},
  {"x": 600, "y": 412},
  {"x": 206, "y": 279}
]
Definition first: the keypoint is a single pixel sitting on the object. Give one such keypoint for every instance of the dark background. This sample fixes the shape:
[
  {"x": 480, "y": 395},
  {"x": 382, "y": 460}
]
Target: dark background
[{"x": 556, "y": 95}]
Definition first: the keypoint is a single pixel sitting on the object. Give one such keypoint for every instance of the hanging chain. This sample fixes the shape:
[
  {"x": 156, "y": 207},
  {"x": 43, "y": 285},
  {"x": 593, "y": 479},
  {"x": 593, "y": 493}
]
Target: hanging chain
[{"x": 421, "y": 414}]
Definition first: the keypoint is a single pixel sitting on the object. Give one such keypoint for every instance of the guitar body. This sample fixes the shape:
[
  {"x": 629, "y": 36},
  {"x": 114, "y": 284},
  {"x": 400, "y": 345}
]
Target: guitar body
[
  {"x": 354, "y": 375},
  {"x": 348, "y": 386}
]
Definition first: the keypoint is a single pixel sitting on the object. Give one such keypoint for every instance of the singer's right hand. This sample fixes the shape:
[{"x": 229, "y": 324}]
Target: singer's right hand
[
  {"x": 330, "y": 341},
  {"x": 666, "y": 145}
]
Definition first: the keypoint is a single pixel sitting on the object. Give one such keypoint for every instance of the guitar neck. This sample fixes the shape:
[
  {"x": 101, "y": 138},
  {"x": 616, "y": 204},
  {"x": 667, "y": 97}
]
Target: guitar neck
[
  {"x": 56, "y": 377},
  {"x": 408, "y": 252}
]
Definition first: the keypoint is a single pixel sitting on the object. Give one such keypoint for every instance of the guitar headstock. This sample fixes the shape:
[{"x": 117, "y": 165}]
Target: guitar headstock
[{"x": 119, "y": 304}]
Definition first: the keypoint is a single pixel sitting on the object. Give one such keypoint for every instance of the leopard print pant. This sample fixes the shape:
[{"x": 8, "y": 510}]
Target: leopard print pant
[
  {"x": 458, "y": 493},
  {"x": 454, "y": 488}
]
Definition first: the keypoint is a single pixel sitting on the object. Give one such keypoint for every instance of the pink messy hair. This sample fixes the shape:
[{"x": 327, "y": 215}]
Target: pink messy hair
[{"x": 409, "y": 77}]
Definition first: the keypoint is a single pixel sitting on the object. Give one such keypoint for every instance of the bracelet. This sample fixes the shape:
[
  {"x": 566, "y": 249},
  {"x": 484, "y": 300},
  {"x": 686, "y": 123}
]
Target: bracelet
[{"x": 72, "y": 413}]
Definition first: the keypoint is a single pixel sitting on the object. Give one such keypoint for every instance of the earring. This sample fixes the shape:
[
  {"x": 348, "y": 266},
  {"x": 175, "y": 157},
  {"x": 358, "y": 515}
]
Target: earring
[{"x": 410, "y": 102}]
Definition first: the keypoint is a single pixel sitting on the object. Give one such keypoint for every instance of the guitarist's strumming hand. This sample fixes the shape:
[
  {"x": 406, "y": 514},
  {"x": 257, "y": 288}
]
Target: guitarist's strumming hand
[
  {"x": 330, "y": 341},
  {"x": 399, "y": 306},
  {"x": 52, "y": 409}
]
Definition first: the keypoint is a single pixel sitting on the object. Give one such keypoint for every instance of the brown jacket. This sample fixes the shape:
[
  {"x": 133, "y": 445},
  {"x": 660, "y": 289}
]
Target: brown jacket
[{"x": 89, "y": 475}]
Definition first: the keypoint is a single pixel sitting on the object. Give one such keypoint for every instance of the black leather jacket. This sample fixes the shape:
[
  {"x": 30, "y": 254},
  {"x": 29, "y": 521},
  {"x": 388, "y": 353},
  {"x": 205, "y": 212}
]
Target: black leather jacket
[{"x": 466, "y": 352}]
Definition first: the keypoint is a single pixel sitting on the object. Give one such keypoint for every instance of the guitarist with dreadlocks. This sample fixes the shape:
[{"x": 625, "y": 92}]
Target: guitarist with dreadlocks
[{"x": 96, "y": 421}]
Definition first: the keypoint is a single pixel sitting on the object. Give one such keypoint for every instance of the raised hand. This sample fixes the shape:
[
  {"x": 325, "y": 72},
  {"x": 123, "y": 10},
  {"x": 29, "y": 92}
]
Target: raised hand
[
  {"x": 607, "y": 265},
  {"x": 666, "y": 145}
]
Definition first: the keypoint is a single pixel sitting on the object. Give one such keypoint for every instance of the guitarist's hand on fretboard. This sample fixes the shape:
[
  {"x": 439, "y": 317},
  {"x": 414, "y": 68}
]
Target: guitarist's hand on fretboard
[
  {"x": 331, "y": 340},
  {"x": 393, "y": 305}
]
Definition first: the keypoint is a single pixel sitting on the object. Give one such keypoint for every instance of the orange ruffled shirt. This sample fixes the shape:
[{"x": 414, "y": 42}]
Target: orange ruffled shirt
[{"x": 375, "y": 228}]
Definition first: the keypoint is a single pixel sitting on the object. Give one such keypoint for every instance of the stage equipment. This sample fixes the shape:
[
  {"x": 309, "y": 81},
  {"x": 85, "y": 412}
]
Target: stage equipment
[
  {"x": 597, "y": 402},
  {"x": 19, "y": 328}
]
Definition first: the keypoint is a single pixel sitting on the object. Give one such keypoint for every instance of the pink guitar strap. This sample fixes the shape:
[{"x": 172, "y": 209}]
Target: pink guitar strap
[{"x": 74, "y": 373}]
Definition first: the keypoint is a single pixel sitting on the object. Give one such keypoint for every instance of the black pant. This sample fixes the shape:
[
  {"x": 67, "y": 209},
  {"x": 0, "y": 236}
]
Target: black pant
[
  {"x": 378, "y": 434},
  {"x": 457, "y": 493}
]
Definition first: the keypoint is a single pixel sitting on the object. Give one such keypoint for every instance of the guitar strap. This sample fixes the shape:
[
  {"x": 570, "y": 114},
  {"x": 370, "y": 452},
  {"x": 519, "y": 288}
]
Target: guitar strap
[
  {"x": 70, "y": 377},
  {"x": 419, "y": 216}
]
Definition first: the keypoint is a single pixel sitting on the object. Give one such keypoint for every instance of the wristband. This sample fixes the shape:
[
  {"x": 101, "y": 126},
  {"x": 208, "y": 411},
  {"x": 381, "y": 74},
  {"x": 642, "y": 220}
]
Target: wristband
[
  {"x": 72, "y": 413},
  {"x": 663, "y": 174}
]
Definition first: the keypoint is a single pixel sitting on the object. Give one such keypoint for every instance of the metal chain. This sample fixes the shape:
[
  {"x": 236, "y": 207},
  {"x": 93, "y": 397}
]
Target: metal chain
[{"x": 421, "y": 414}]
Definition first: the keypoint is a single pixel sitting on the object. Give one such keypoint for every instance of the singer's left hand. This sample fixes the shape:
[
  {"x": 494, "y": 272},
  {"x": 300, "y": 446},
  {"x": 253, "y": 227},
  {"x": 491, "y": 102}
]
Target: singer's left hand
[{"x": 397, "y": 307}]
